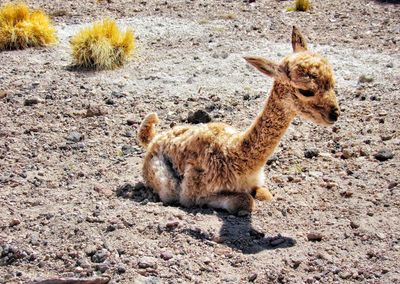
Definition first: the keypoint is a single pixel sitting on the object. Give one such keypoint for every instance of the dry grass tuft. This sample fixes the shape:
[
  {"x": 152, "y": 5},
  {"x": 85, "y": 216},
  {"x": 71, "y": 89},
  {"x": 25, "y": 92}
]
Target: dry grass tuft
[
  {"x": 102, "y": 46},
  {"x": 21, "y": 28},
  {"x": 300, "y": 5}
]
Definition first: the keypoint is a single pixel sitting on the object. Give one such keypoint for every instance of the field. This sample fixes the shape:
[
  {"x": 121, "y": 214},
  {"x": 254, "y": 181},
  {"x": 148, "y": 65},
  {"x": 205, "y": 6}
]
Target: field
[{"x": 73, "y": 204}]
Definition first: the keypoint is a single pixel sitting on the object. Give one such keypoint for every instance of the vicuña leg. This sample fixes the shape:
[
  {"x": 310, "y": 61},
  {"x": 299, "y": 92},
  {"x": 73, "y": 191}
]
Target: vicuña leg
[
  {"x": 262, "y": 194},
  {"x": 193, "y": 193},
  {"x": 234, "y": 203},
  {"x": 161, "y": 177}
]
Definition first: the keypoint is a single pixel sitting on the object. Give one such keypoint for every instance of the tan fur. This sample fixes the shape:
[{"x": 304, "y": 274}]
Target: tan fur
[{"x": 211, "y": 164}]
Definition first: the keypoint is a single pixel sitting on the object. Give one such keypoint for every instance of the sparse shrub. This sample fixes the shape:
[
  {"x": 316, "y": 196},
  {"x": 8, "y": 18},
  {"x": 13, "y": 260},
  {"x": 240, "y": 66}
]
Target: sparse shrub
[
  {"x": 300, "y": 5},
  {"x": 21, "y": 28},
  {"x": 102, "y": 46}
]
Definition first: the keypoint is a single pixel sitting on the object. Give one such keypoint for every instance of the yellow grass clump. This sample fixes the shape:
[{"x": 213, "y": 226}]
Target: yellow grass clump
[
  {"x": 102, "y": 46},
  {"x": 21, "y": 28},
  {"x": 300, "y": 5}
]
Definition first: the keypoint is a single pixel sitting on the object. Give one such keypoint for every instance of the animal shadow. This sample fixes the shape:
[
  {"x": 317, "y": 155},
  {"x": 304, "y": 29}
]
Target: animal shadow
[{"x": 236, "y": 232}]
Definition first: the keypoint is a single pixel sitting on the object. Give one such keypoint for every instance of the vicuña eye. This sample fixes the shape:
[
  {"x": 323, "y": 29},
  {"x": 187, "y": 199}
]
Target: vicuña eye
[{"x": 306, "y": 93}]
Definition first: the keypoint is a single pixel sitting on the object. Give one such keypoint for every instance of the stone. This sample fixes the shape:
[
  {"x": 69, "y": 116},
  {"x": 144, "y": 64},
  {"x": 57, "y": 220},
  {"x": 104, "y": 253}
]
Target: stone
[
  {"x": 166, "y": 255},
  {"x": 365, "y": 79},
  {"x": 384, "y": 155},
  {"x": 146, "y": 262},
  {"x": 314, "y": 237},
  {"x": 32, "y": 101},
  {"x": 199, "y": 116},
  {"x": 311, "y": 153},
  {"x": 252, "y": 277},
  {"x": 103, "y": 190},
  {"x": 14, "y": 222},
  {"x": 74, "y": 136}
]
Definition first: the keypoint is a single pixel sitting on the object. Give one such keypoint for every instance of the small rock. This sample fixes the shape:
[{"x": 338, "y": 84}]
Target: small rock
[
  {"x": 252, "y": 277},
  {"x": 392, "y": 185},
  {"x": 354, "y": 225},
  {"x": 14, "y": 222},
  {"x": 103, "y": 267},
  {"x": 314, "y": 237},
  {"x": 126, "y": 149},
  {"x": 166, "y": 255},
  {"x": 3, "y": 94},
  {"x": 345, "y": 274},
  {"x": 103, "y": 190},
  {"x": 171, "y": 225},
  {"x": 311, "y": 153},
  {"x": 109, "y": 101},
  {"x": 246, "y": 97},
  {"x": 74, "y": 137},
  {"x": 130, "y": 121},
  {"x": 100, "y": 256},
  {"x": 384, "y": 155},
  {"x": 199, "y": 116},
  {"x": 146, "y": 262},
  {"x": 272, "y": 159},
  {"x": 117, "y": 95},
  {"x": 32, "y": 101},
  {"x": 92, "y": 111},
  {"x": 365, "y": 79},
  {"x": 390, "y": 65},
  {"x": 121, "y": 269}
]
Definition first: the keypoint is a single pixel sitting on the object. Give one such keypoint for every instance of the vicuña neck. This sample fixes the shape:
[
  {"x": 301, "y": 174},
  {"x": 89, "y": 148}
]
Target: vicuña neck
[{"x": 260, "y": 139}]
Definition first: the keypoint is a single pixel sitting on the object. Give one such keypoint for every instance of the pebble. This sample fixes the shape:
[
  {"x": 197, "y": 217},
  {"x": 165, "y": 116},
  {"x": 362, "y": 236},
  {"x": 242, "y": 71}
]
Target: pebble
[
  {"x": 252, "y": 277},
  {"x": 314, "y": 237},
  {"x": 74, "y": 137},
  {"x": 93, "y": 110},
  {"x": 103, "y": 190},
  {"x": 32, "y": 101},
  {"x": 166, "y": 255},
  {"x": 392, "y": 185},
  {"x": 365, "y": 79},
  {"x": 199, "y": 116},
  {"x": 384, "y": 155},
  {"x": 100, "y": 256},
  {"x": 118, "y": 95},
  {"x": 121, "y": 269},
  {"x": 14, "y": 222},
  {"x": 311, "y": 153},
  {"x": 146, "y": 262},
  {"x": 103, "y": 267},
  {"x": 354, "y": 225},
  {"x": 109, "y": 101}
]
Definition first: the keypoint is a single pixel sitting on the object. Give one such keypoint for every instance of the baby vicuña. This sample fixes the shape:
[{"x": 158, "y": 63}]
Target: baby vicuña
[{"x": 213, "y": 164}]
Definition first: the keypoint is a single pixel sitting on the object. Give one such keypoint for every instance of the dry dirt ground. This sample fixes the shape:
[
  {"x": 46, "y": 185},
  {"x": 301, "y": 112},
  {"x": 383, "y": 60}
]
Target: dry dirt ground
[{"x": 72, "y": 202}]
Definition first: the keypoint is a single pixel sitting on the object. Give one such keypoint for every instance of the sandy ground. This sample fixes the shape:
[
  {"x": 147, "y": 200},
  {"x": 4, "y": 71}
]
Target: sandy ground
[{"x": 72, "y": 200}]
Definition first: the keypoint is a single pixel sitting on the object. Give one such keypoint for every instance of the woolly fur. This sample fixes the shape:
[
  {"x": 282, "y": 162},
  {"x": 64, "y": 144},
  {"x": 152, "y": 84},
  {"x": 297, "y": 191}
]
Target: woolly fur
[{"x": 212, "y": 164}]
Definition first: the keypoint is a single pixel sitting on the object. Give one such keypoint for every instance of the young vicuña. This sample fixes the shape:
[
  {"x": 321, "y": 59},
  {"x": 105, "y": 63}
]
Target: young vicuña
[{"x": 213, "y": 164}]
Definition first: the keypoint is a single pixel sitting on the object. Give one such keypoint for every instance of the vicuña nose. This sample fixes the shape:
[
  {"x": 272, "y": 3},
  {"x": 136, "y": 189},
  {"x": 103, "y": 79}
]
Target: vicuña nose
[{"x": 334, "y": 114}]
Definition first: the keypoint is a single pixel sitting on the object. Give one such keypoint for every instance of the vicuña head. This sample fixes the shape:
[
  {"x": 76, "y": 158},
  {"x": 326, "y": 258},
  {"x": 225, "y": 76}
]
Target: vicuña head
[
  {"x": 309, "y": 82},
  {"x": 212, "y": 164}
]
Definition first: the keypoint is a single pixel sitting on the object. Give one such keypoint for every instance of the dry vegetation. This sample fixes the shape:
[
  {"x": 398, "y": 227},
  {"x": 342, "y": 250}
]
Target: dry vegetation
[
  {"x": 102, "y": 46},
  {"x": 21, "y": 27}
]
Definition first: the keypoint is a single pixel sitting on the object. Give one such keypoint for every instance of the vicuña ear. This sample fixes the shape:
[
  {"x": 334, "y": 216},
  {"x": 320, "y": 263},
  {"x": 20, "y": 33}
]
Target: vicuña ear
[
  {"x": 266, "y": 66},
  {"x": 298, "y": 41}
]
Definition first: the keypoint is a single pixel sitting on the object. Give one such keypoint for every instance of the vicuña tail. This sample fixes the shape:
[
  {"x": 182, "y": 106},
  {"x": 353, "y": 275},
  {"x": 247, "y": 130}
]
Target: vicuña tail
[{"x": 147, "y": 130}]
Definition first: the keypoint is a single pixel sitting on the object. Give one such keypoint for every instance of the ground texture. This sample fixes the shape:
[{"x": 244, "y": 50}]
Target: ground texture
[{"x": 72, "y": 201}]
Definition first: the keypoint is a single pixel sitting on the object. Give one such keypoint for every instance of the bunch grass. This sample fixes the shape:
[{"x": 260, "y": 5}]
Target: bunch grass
[
  {"x": 102, "y": 46},
  {"x": 300, "y": 5},
  {"x": 21, "y": 27}
]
